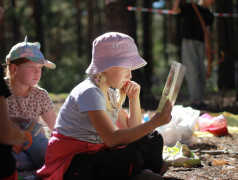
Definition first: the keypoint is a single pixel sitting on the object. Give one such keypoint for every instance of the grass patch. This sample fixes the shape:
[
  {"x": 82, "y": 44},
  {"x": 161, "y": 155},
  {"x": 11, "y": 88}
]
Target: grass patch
[{"x": 58, "y": 97}]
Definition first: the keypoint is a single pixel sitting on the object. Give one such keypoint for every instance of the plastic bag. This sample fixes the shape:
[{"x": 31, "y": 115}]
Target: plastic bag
[
  {"x": 216, "y": 125},
  {"x": 181, "y": 126}
]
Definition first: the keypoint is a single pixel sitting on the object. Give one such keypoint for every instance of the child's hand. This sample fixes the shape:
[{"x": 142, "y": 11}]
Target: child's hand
[
  {"x": 24, "y": 123},
  {"x": 165, "y": 116},
  {"x": 132, "y": 89},
  {"x": 17, "y": 148}
]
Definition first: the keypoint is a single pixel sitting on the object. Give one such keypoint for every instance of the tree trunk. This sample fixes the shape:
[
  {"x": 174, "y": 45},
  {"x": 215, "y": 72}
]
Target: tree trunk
[
  {"x": 90, "y": 27},
  {"x": 2, "y": 36},
  {"x": 38, "y": 23},
  {"x": 226, "y": 44},
  {"x": 147, "y": 47},
  {"x": 15, "y": 24},
  {"x": 79, "y": 28},
  {"x": 236, "y": 50},
  {"x": 119, "y": 19}
]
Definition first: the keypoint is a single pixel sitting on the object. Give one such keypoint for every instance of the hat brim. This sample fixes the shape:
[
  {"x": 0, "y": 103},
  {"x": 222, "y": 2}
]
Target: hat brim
[
  {"x": 133, "y": 62},
  {"x": 48, "y": 64},
  {"x": 44, "y": 62}
]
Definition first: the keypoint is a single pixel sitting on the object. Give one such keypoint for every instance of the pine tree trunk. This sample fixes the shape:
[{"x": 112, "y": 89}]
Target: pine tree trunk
[
  {"x": 90, "y": 27},
  {"x": 15, "y": 24},
  {"x": 38, "y": 23},
  {"x": 147, "y": 46},
  {"x": 226, "y": 44},
  {"x": 79, "y": 28},
  {"x": 119, "y": 19},
  {"x": 2, "y": 36}
]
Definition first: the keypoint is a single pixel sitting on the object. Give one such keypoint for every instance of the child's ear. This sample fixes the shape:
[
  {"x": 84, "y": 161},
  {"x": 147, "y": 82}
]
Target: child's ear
[{"x": 13, "y": 69}]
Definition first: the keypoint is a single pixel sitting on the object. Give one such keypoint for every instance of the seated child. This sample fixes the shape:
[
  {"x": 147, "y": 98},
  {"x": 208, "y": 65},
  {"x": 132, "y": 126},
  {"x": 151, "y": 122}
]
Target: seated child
[
  {"x": 94, "y": 137},
  {"x": 28, "y": 100}
]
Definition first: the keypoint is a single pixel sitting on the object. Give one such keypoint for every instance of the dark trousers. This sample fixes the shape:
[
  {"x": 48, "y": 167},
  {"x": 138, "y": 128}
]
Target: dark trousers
[{"x": 119, "y": 163}]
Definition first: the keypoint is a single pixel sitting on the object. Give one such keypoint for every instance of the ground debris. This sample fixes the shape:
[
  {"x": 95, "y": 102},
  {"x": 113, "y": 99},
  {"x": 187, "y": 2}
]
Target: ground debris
[{"x": 219, "y": 160}]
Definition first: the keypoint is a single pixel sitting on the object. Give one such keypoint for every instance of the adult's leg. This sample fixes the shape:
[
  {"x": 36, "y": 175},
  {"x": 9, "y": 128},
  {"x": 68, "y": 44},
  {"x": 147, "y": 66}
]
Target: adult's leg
[
  {"x": 191, "y": 59},
  {"x": 202, "y": 69}
]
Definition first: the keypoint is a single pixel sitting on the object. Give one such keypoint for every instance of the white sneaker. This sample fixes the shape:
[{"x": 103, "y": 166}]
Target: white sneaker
[{"x": 180, "y": 155}]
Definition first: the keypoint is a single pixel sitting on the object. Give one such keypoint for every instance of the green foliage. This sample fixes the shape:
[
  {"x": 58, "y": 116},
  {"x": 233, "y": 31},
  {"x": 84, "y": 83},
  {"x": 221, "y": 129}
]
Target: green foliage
[
  {"x": 66, "y": 40},
  {"x": 58, "y": 97},
  {"x": 68, "y": 73}
]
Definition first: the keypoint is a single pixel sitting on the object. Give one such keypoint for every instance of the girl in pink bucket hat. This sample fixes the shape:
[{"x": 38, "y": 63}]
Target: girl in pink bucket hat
[
  {"x": 94, "y": 137},
  {"x": 24, "y": 65}
]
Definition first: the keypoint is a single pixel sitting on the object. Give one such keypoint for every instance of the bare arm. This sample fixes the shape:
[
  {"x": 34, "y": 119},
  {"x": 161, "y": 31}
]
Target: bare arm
[
  {"x": 10, "y": 133},
  {"x": 49, "y": 118},
  {"x": 115, "y": 137},
  {"x": 134, "y": 118},
  {"x": 176, "y": 7}
]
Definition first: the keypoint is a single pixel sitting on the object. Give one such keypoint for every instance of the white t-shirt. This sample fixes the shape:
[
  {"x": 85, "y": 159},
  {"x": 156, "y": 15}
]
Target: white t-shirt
[{"x": 73, "y": 119}]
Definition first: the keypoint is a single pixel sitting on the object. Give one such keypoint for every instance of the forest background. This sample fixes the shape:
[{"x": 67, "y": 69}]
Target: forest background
[{"x": 66, "y": 29}]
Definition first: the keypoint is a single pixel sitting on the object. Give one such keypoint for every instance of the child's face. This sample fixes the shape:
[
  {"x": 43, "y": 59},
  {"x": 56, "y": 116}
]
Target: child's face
[
  {"x": 28, "y": 74},
  {"x": 117, "y": 77}
]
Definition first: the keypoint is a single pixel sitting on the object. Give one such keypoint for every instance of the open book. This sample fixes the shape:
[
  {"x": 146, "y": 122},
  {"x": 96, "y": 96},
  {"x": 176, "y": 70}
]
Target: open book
[{"x": 173, "y": 84}]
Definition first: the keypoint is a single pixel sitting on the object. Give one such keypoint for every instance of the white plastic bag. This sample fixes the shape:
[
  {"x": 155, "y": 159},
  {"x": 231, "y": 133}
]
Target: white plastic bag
[{"x": 181, "y": 126}]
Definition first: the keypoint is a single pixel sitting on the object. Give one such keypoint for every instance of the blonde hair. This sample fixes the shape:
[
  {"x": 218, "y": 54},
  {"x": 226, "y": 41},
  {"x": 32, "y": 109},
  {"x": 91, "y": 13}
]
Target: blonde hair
[{"x": 99, "y": 79}]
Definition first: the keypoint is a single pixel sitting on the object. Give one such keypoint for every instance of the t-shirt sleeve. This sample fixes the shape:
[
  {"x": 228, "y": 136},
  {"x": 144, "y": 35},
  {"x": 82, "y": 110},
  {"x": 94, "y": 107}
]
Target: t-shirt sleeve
[
  {"x": 46, "y": 102},
  {"x": 91, "y": 99}
]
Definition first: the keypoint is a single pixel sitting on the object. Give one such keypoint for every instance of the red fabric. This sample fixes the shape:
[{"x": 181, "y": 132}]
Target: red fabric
[
  {"x": 60, "y": 151},
  {"x": 219, "y": 131},
  {"x": 12, "y": 177}
]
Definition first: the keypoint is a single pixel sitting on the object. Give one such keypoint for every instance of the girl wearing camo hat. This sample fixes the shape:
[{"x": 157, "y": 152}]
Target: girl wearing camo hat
[
  {"x": 28, "y": 100},
  {"x": 94, "y": 137}
]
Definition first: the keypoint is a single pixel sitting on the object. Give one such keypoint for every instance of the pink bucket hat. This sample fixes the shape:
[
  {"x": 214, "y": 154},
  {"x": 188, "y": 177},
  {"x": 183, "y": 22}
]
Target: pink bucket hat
[
  {"x": 29, "y": 51},
  {"x": 114, "y": 49}
]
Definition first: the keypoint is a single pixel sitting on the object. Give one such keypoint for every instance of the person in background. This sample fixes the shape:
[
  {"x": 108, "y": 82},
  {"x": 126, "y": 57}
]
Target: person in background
[
  {"x": 10, "y": 133},
  {"x": 28, "y": 100},
  {"x": 94, "y": 137},
  {"x": 193, "y": 47}
]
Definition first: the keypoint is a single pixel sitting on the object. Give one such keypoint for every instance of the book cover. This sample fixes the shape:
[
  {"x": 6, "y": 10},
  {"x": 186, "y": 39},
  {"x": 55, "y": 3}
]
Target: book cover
[{"x": 172, "y": 85}]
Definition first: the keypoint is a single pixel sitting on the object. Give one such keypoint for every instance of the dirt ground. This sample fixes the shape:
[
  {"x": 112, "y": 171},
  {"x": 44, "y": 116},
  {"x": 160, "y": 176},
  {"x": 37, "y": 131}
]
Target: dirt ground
[
  {"x": 219, "y": 160},
  {"x": 219, "y": 155}
]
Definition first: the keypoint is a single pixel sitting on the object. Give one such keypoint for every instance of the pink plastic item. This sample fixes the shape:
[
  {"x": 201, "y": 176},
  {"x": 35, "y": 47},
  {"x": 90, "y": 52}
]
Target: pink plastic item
[{"x": 216, "y": 125}]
